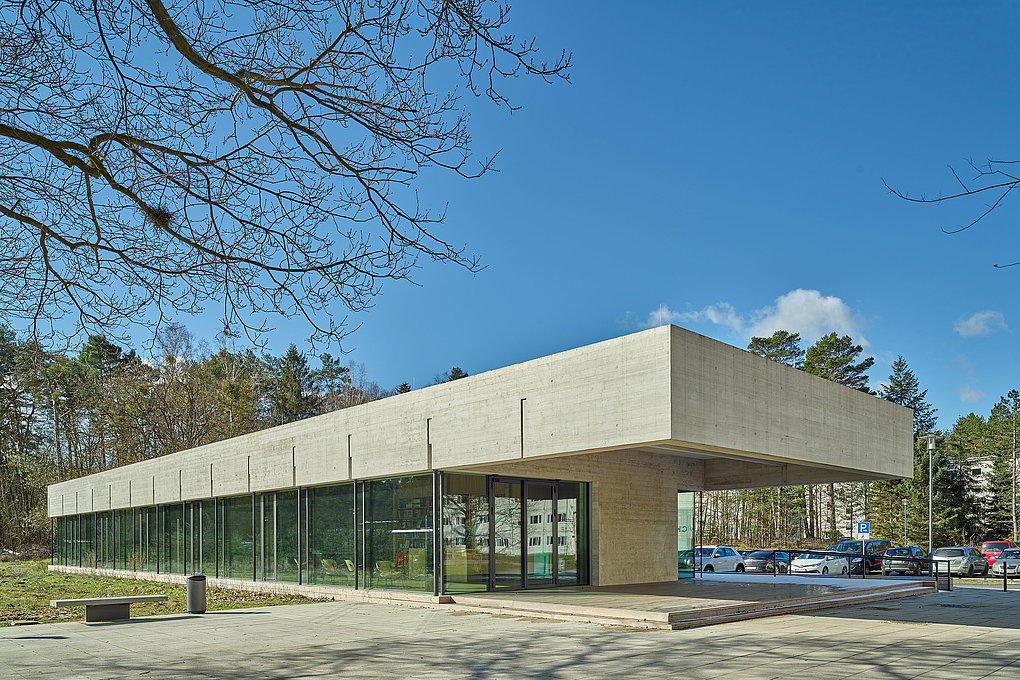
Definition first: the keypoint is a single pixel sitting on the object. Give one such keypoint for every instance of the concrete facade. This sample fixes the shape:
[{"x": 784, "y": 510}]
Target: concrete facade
[{"x": 638, "y": 417}]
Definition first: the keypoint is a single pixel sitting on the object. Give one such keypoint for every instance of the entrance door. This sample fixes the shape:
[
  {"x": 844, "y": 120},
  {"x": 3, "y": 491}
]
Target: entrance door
[{"x": 505, "y": 534}]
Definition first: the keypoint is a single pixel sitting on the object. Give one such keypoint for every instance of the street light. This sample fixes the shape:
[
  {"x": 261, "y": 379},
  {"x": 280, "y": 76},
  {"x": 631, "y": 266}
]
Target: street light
[
  {"x": 904, "y": 521},
  {"x": 931, "y": 450}
]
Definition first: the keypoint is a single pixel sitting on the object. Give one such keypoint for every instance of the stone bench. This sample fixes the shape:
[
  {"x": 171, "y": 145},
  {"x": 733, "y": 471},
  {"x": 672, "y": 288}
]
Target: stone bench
[{"x": 107, "y": 608}]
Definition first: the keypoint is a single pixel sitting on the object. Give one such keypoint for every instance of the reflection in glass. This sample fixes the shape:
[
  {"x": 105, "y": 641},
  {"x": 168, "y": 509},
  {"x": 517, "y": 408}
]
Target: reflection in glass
[
  {"x": 465, "y": 533},
  {"x": 571, "y": 534},
  {"x": 541, "y": 530},
  {"x": 506, "y": 535}
]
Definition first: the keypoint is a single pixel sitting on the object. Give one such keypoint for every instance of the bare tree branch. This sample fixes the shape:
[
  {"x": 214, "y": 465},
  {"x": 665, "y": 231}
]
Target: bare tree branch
[{"x": 159, "y": 156}]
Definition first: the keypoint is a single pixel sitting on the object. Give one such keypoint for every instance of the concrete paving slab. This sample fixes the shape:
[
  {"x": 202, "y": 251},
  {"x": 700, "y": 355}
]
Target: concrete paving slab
[{"x": 917, "y": 637}]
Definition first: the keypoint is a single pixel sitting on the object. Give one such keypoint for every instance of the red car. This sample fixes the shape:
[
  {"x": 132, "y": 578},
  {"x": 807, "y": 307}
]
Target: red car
[{"x": 992, "y": 549}]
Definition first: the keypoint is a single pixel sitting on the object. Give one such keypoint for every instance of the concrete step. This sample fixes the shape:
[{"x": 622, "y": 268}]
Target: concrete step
[{"x": 688, "y": 618}]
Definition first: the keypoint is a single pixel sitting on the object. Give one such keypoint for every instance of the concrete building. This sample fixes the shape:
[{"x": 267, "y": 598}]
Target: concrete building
[{"x": 562, "y": 470}]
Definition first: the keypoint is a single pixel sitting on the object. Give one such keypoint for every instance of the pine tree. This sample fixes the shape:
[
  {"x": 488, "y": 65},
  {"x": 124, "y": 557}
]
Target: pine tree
[
  {"x": 832, "y": 358},
  {"x": 782, "y": 346}
]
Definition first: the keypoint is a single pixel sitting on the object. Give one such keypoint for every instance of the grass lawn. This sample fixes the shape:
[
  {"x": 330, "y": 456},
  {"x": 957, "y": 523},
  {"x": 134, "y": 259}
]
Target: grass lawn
[{"x": 26, "y": 589}]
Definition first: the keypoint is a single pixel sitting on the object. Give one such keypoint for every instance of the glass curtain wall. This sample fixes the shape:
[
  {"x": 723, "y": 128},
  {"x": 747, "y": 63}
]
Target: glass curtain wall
[
  {"x": 685, "y": 534},
  {"x": 496, "y": 533},
  {"x": 397, "y": 530}
]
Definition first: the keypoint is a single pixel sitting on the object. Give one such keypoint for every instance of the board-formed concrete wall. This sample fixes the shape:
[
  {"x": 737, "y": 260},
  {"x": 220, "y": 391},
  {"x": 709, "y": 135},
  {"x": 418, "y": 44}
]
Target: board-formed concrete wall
[
  {"x": 634, "y": 397},
  {"x": 733, "y": 402}
]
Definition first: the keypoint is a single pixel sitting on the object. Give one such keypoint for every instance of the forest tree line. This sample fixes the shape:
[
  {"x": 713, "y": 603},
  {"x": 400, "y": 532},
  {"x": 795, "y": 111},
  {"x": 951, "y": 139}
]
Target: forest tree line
[
  {"x": 973, "y": 470},
  {"x": 66, "y": 414}
]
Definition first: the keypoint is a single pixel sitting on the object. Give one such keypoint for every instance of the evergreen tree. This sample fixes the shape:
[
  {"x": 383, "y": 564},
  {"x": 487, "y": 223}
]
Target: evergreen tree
[
  {"x": 1003, "y": 441},
  {"x": 832, "y": 358},
  {"x": 782, "y": 346},
  {"x": 293, "y": 388},
  {"x": 903, "y": 390}
]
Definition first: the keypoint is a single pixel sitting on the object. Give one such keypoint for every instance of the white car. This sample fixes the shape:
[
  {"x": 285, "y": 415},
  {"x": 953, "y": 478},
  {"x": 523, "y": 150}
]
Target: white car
[
  {"x": 717, "y": 558},
  {"x": 818, "y": 563},
  {"x": 1009, "y": 560}
]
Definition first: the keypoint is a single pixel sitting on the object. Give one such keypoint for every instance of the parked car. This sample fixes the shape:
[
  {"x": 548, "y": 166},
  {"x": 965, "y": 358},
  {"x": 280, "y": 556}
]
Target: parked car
[
  {"x": 872, "y": 550},
  {"x": 991, "y": 549},
  {"x": 1009, "y": 560},
  {"x": 961, "y": 560},
  {"x": 761, "y": 560},
  {"x": 819, "y": 563},
  {"x": 717, "y": 558},
  {"x": 905, "y": 561}
]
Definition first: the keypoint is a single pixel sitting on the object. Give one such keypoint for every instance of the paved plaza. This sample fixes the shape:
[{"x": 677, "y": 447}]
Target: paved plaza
[{"x": 971, "y": 633}]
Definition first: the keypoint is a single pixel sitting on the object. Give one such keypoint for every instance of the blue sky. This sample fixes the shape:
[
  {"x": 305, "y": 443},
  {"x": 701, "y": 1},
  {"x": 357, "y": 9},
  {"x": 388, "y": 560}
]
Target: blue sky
[{"x": 725, "y": 161}]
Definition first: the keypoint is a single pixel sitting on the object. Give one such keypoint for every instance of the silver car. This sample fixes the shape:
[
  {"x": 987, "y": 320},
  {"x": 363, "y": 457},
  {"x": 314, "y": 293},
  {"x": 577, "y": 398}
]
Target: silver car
[
  {"x": 960, "y": 560},
  {"x": 1008, "y": 560}
]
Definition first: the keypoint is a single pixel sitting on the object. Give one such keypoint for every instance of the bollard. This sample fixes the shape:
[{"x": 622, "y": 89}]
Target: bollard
[{"x": 196, "y": 594}]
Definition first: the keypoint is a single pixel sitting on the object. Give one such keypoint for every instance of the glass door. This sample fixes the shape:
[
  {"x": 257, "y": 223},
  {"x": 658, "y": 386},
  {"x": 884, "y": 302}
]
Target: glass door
[
  {"x": 505, "y": 534},
  {"x": 540, "y": 531}
]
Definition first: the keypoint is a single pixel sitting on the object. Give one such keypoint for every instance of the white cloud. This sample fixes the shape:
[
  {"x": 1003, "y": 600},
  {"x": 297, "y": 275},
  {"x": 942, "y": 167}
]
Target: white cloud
[
  {"x": 807, "y": 312},
  {"x": 981, "y": 323},
  {"x": 969, "y": 395},
  {"x": 721, "y": 314}
]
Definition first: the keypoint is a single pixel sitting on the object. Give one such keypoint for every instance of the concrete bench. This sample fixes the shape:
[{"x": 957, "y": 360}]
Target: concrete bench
[{"x": 107, "y": 608}]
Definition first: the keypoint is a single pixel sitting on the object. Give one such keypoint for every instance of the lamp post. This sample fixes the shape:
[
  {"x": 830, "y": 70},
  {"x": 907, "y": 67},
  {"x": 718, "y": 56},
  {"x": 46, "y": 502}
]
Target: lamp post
[
  {"x": 931, "y": 451},
  {"x": 904, "y": 521}
]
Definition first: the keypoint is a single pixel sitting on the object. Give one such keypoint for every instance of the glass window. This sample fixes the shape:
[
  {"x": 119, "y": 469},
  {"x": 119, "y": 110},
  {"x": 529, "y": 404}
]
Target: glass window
[
  {"x": 685, "y": 534},
  {"x": 207, "y": 563},
  {"x": 332, "y": 557},
  {"x": 237, "y": 538},
  {"x": 171, "y": 545},
  {"x": 398, "y": 533},
  {"x": 125, "y": 556},
  {"x": 572, "y": 533},
  {"x": 465, "y": 543}
]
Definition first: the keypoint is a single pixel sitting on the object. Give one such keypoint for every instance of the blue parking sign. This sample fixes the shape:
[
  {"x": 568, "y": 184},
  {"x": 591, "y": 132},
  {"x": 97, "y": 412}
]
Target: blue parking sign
[{"x": 864, "y": 527}]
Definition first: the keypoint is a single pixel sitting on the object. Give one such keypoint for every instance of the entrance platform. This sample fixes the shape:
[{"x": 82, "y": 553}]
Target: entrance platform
[{"x": 688, "y": 603}]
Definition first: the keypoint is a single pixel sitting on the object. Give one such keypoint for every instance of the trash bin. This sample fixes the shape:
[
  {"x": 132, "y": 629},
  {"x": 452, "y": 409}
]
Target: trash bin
[{"x": 196, "y": 594}]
